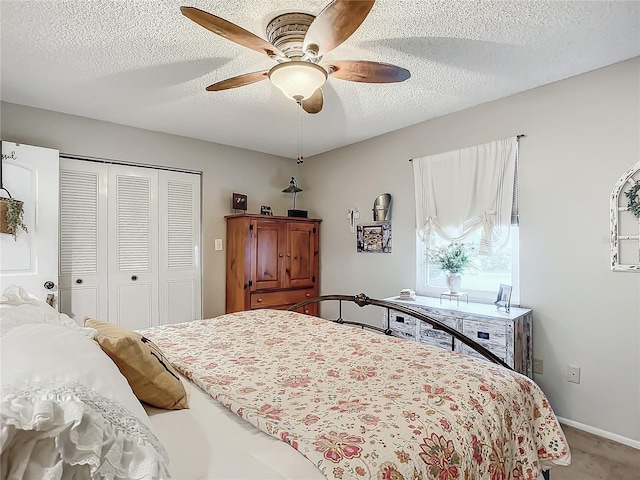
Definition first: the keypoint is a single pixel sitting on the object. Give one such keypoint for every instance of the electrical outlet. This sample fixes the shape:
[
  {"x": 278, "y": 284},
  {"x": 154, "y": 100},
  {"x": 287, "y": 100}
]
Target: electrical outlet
[
  {"x": 573, "y": 374},
  {"x": 538, "y": 366},
  {"x": 218, "y": 244}
]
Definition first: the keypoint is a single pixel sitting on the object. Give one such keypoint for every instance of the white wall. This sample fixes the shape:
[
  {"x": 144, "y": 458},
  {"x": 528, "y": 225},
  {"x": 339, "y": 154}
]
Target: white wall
[
  {"x": 582, "y": 134},
  {"x": 224, "y": 170}
]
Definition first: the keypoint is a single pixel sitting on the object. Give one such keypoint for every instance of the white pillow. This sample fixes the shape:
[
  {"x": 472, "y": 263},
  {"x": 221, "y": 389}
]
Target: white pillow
[
  {"x": 18, "y": 307},
  {"x": 67, "y": 411}
]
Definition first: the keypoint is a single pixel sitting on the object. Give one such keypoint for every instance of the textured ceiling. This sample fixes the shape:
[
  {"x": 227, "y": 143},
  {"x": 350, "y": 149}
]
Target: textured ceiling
[{"x": 142, "y": 63}]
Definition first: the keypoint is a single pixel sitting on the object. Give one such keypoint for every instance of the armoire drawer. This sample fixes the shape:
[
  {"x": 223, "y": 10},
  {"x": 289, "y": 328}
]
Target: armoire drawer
[{"x": 285, "y": 297}]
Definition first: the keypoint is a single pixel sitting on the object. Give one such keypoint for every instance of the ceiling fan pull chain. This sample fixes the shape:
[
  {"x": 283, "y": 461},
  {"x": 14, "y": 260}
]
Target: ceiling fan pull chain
[{"x": 300, "y": 138}]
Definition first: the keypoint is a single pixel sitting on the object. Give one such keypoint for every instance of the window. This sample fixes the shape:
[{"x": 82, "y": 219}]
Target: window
[{"x": 482, "y": 279}]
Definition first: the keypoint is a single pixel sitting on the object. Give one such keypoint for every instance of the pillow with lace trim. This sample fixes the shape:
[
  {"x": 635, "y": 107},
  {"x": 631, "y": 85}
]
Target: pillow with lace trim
[
  {"x": 67, "y": 412},
  {"x": 152, "y": 377}
]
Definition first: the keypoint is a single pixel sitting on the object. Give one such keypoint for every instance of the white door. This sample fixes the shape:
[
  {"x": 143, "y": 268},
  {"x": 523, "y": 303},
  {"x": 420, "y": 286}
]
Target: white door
[
  {"x": 133, "y": 246},
  {"x": 179, "y": 222},
  {"x": 30, "y": 174},
  {"x": 83, "y": 239}
]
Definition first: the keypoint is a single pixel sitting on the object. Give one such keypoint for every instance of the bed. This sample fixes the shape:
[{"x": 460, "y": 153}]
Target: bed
[{"x": 279, "y": 394}]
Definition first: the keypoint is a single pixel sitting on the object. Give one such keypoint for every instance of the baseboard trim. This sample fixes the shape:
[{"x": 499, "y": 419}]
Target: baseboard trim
[{"x": 601, "y": 433}]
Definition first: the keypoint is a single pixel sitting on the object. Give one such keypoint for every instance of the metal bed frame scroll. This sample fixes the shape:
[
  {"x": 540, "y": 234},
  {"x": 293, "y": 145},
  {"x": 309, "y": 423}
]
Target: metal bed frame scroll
[{"x": 362, "y": 301}]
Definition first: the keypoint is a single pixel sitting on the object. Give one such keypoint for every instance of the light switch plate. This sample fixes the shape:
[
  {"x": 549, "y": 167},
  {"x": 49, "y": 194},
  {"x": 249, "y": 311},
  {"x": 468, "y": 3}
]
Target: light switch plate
[{"x": 218, "y": 244}]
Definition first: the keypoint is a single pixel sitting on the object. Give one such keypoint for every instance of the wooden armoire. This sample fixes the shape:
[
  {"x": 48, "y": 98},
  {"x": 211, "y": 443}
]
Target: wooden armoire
[{"x": 272, "y": 262}]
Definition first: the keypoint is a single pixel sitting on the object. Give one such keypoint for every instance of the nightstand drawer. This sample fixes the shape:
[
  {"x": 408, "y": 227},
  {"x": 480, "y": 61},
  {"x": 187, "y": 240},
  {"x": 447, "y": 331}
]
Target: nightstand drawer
[
  {"x": 403, "y": 324},
  {"x": 434, "y": 336},
  {"x": 491, "y": 334}
]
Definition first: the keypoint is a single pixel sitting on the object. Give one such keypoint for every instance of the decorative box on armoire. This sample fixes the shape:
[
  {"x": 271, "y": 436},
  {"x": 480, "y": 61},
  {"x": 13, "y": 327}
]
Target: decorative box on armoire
[{"x": 272, "y": 262}]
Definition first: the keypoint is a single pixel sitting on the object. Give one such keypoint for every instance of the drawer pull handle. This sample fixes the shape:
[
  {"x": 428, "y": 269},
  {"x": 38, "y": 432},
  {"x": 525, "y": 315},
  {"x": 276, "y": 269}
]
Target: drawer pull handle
[
  {"x": 308, "y": 294},
  {"x": 400, "y": 319},
  {"x": 259, "y": 300},
  {"x": 483, "y": 335}
]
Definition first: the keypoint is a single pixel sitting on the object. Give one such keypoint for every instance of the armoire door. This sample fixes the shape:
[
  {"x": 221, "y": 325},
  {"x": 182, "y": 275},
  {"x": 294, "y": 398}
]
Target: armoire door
[
  {"x": 31, "y": 260},
  {"x": 301, "y": 253},
  {"x": 267, "y": 254},
  {"x": 83, "y": 239},
  {"x": 132, "y": 205}
]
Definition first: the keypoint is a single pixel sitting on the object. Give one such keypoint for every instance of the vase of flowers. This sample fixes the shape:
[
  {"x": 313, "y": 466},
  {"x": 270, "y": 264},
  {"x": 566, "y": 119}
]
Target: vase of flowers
[{"x": 452, "y": 259}]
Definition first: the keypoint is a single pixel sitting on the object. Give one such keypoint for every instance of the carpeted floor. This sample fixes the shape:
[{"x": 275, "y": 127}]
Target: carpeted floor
[{"x": 597, "y": 458}]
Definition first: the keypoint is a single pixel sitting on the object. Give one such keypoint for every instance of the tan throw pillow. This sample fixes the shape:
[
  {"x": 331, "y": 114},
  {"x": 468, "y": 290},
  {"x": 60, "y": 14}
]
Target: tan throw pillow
[{"x": 152, "y": 378}]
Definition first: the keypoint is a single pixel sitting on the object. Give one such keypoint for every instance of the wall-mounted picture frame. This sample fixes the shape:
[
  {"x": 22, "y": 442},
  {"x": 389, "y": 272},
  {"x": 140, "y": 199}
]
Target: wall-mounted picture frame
[
  {"x": 239, "y": 202},
  {"x": 374, "y": 238},
  {"x": 504, "y": 297},
  {"x": 265, "y": 210}
]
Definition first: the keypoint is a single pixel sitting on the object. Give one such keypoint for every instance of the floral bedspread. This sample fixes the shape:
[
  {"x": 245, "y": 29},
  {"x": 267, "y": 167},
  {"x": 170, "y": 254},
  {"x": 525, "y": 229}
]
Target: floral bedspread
[{"x": 362, "y": 405}]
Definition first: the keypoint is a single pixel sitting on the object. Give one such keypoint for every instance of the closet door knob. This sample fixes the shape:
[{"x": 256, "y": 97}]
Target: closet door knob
[
  {"x": 288, "y": 254},
  {"x": 281, "y": 255},
  {"x": 49, "y": 284},
  {"x": 134, "y": 277},
  {"x": 79, "y": 281}
]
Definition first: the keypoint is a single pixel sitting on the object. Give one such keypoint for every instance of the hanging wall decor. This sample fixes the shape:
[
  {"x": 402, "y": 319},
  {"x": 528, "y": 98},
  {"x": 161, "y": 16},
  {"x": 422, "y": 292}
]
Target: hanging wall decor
[
  {"x": 11, "y": 210},
  {"x": 374, "y": 238},
  {"x": 625, "y": 222}
]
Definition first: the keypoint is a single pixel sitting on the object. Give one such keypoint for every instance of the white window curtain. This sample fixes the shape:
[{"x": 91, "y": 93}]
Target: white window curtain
[{"x": 461, "y": 191}]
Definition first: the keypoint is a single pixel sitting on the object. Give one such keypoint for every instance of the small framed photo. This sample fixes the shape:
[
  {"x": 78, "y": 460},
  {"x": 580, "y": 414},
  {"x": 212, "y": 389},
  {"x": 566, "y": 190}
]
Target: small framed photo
[
  {"x": 265, "y": 210},
  {"x": 239, "y": 201},
  {"x": 504, "y": 297}
]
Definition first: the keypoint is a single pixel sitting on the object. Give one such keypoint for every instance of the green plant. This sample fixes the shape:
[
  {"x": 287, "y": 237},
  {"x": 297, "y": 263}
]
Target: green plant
[
  {"x": 633, "y": 195},
  {"x": 453, "y": 258},
  {"x": 14, "y": 216}
]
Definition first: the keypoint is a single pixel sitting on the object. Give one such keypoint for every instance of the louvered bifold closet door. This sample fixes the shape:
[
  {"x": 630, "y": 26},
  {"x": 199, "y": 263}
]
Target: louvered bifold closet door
[
  {"x": 133, "y": 246},
  {"x": 179, "y": 237},
  {"x": 83, "y": 249}
]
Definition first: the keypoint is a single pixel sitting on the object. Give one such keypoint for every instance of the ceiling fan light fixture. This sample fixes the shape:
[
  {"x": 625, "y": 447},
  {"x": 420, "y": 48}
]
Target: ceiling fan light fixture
[{"x": 298, "y": 80}]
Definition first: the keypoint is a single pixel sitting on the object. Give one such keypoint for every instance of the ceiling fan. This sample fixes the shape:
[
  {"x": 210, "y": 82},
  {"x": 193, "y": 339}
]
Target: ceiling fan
[{"x": 298, "y": 41}]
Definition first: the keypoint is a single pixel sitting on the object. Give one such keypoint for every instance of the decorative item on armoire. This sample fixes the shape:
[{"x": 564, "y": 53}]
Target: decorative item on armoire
[
  {"x": 293, "y": 188},
  {"x": 265, "y": 210},
  {"x": 625, "y": 221},
  {"x": 239, "y": 202}
]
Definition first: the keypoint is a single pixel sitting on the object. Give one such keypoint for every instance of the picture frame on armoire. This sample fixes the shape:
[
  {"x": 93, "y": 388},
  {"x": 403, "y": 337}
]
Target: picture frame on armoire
[{"x": 239, "y": 202}]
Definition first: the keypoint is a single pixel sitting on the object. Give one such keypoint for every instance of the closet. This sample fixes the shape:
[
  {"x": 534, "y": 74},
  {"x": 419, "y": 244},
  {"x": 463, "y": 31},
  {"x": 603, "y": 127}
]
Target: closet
[{"x": 129, "y": 244}]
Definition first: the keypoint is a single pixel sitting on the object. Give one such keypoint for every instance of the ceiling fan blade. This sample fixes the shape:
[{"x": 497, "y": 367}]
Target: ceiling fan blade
[
  {"x": 230, "y": 31},
  {"x": 366, "y": 72},
  {"x": 314, "y": 103},
  {"x": 239, "y": 81},
  {"x": 335, "y": 23}
]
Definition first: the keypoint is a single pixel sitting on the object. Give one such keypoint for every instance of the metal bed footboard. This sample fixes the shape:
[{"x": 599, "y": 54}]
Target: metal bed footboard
[{"x": 362, "y": 300}]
